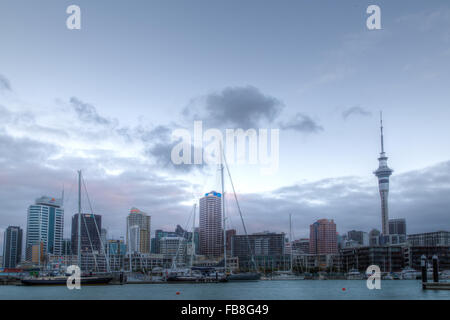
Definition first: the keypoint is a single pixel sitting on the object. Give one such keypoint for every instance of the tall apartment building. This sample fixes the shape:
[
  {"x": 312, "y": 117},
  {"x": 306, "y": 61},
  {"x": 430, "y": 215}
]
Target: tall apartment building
[
  {"x": 91, "y": 226},
  {"x": 12, "y": 247},
  {"x": 211, "y": 225},
  {"x": 323, "y": 237},
  {"x": 138, "y": 228},
  {"x": 45, "y": 226}
]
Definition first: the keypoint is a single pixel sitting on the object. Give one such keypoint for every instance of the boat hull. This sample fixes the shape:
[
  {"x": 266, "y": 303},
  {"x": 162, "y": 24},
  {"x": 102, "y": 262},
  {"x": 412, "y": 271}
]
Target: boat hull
[
  {"x": 250, "y": 276},
  {"x": 60, "y": 282}
]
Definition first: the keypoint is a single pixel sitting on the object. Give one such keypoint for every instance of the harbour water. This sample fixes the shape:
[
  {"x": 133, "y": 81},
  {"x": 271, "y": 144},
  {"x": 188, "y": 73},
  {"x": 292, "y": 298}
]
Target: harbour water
[{"x": 259, "y": 290}]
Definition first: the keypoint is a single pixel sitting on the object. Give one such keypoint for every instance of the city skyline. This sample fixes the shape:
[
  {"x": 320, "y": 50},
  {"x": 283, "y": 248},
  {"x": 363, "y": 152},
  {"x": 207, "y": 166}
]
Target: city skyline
[{"x": 64, "y": 108}]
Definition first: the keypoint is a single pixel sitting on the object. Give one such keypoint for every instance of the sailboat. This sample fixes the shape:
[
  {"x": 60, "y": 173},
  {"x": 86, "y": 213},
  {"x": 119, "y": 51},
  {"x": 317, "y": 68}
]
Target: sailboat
[
  {"x": 192, "y": 274},
  {"x": 288, "y": 275},
  {"x": 62, "y": 280},
  {"x": 242, "y": 276}
]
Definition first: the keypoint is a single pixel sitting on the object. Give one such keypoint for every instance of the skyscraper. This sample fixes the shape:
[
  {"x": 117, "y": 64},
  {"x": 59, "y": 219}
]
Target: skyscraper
[
  {"x": 138, "y": 231},
  {"x": 45, "y": 223},
  {"x": 397, "y": 226},
  {"x": 91, "y": 226},
  {"x": 323, "y": 237},
  {"x": 383, "y": 173},
  {"x": 211, "y": 224},
  {"x": 12, "y": 247}
]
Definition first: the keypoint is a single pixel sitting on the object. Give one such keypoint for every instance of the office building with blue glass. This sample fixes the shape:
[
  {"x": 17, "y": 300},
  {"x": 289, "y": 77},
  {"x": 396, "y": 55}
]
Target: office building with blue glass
[{"x": 45, "y": 226}]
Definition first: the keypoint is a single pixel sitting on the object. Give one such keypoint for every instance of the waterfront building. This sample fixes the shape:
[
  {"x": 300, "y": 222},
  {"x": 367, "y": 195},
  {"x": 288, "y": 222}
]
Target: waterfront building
[
  {"x": 263, "y": 246},
  {"x": 174, "y": 246},
  {"x": 148, "y": 261},
  {"x": 317, "y": 262},
  {"x": 441, "y": 251},
  {"x": 389, "y": 258},
  {"x": 91, "y": 224},
  {"x": 12, "y": 247},
  {"x": 439, "y": 238},
  {"x": 323, "y": 237},
  {"x": 45, "y": 226},
  {"x": 383, "y": 173},
  {"x": 211, "y": 225}
]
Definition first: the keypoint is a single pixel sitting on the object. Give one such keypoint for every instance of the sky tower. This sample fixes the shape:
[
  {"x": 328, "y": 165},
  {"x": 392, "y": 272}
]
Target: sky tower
[{"x": 383, "y": 172}]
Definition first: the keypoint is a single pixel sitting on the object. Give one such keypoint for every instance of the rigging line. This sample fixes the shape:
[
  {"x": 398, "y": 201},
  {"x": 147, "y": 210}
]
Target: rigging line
[
  {"x": 96, "y": 226},
  {"x": 240, "y": 212}
]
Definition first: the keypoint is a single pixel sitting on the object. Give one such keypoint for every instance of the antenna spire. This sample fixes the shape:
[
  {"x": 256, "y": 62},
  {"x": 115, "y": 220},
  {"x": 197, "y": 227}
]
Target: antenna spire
[{"x": 381, "y": 127}]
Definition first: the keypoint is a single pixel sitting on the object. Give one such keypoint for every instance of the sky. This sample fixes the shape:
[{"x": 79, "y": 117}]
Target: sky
[{"x": 106, "y": 99}]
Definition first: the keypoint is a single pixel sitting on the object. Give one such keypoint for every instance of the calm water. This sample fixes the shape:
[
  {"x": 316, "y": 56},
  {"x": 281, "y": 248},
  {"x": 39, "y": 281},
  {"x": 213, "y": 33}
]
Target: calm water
[{"x": 302, "y": 289}]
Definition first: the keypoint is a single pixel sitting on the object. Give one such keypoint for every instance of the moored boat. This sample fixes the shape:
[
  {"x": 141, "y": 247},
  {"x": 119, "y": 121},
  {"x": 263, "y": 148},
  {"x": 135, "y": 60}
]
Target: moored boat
[{"x": 62, "y": 280}]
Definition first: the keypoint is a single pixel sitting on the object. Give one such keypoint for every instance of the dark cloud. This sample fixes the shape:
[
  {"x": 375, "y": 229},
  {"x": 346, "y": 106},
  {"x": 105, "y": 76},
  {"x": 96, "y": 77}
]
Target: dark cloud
[
  {"x": 88, "y": 113},
  {"x": 5, "y": 85},
  {"x": 302, "y": 123},
  {"x": 235, "y": 107},
  {"x": 160, "y": 145},
  {"x": 355, "y": 111}
]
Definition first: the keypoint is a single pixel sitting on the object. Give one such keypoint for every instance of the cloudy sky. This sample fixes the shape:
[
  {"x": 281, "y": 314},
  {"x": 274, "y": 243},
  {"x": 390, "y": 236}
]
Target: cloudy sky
[{"x": 106, "y": 99}]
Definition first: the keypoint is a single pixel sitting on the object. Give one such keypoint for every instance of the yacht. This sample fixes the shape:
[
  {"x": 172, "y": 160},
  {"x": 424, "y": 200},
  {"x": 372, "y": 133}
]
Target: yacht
[
  {"x": 287, "y": 275},
  {"x": 410, "y": 274},
  {"x": 354, "y": 274}
]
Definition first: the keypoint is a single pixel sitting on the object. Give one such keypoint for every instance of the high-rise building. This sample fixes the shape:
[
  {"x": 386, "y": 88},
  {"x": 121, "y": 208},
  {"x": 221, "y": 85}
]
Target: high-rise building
[
  {"x": 91, "y": 226},
  {"x": 301, "y": 246},
  {"x": 12, "y": 247},
  {"x": 211, "y": 225},
  {"x": 229, "y": 233},
  {"x": 383, "y": 173},
  {"x": 397, "y": 226},
  {"x": 103, "y": 236},
  {"x": 67, "y": 247},
  {"x": 361, "y": 237},
  {"x": 138, "y": 222},
  {"x": 323, "y": 237},
  {"x": 45, "y": 224},
  {"x": 116, "y": 247},
  {"x": 158, "y": 235}
]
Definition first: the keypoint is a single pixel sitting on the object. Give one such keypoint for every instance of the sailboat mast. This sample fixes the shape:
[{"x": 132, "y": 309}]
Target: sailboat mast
[
  {"x": 79, "y": 219},
  {"x": 290, "y": 238},
  {"x": 224, "y": 218},
  {"x": 192, "y": 239}
]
